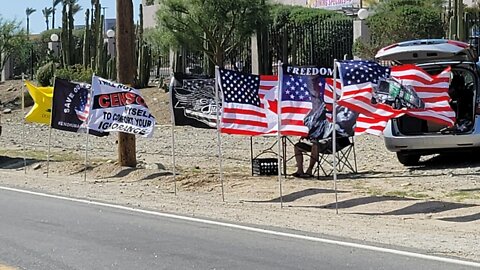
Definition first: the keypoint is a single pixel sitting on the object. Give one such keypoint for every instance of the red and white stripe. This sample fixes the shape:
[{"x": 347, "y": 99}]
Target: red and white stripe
[
  {"x": 245, "y": 119},
  {"x": 433, "y": 90},
  {"x": 292, "y": 116}
]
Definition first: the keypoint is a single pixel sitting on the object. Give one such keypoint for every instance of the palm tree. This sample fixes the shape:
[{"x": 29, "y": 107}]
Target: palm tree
[
  {"x": 55, "y": 4},
  {"x": 28, "y": 12},
  {"x": 47, "y": 11},
  {"x": 76, "y": 8}
]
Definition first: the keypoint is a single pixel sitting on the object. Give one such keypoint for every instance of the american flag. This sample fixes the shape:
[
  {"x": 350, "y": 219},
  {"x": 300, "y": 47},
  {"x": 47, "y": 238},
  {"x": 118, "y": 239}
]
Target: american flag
[
  {"x": 364, "y": 124},
  {"x": 433, "y": 90},
  {"x": 299, "y": 93},
  {"x": 243, "y": 113},
  {"x": 358, "y": 79},
  {"x": 83, "y": 107}
]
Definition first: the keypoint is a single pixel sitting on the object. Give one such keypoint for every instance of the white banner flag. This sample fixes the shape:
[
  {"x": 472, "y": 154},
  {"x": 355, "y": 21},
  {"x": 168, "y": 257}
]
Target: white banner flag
[{"x": 117, "y": 107}]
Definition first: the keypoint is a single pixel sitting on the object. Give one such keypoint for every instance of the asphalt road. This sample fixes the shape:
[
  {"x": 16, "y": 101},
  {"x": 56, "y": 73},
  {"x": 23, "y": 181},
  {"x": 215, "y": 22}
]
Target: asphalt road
[{"x": 38, "y": 233}]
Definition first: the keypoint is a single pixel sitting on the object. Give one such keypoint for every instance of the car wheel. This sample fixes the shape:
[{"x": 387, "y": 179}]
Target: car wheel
[{"x": 408, "y": 159}]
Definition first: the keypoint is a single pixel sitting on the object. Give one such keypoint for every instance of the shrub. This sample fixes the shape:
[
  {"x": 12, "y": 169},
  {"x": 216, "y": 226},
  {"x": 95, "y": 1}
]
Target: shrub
[
  {"x": 75, "y": 73},
  {"x": 45, "y": 74},
  {"x": 401, "y": 20}
]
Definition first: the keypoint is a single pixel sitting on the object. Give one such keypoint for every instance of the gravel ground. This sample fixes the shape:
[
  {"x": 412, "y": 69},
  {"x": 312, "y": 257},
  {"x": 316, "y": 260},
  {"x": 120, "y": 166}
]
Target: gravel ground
[{"x": 434, "y": 207}]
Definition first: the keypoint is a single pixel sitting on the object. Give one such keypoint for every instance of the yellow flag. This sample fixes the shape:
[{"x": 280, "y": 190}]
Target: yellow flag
[{"x": 42, "y": 109}]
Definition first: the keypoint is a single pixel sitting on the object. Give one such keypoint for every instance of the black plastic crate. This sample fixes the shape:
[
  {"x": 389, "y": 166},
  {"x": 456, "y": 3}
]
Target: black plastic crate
[{"x": 265, "y": 166}]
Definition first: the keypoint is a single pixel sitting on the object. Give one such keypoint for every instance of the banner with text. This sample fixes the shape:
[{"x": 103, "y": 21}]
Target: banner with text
[
  {"x": 117, "y": 107},
  {"x": 71, "y": 106}
]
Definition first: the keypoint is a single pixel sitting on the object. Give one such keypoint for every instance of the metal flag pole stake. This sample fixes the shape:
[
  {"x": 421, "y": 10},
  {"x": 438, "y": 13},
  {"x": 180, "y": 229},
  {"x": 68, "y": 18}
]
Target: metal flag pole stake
[
  {"x": 334, "y": 134},
  {"x": 172, "y": 114},
  {"x": 219, "y": 138},
  {"x": 48, "y": 152},
  {"x": 279, "y": 110},
  {"x": 87, "y": 122},
  {"x": 86, "y": 157},
  {"x": 23, "y": 124}
]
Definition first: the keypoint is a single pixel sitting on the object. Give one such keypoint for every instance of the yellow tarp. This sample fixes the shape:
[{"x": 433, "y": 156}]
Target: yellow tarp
[{"x": 42, "y": 109}]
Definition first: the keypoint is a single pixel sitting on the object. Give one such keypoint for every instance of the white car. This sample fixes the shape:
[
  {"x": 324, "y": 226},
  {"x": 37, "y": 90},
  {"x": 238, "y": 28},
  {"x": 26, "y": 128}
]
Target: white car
[{"x": 411, "y": 137}]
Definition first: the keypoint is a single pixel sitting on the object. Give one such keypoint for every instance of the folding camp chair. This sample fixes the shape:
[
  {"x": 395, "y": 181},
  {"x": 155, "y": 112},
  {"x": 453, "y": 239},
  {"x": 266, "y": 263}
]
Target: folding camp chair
[{"x": 345, "y": 156}]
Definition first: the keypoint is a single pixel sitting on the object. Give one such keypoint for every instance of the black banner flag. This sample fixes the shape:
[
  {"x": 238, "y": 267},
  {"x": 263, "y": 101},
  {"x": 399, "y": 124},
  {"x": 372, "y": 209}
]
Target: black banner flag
[
  {"x": 71, "y": 106},
  {"x": 193, "y": 100}
]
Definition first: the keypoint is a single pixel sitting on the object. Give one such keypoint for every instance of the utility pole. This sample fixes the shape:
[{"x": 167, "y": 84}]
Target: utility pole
[{"x": 125, "y": 73}]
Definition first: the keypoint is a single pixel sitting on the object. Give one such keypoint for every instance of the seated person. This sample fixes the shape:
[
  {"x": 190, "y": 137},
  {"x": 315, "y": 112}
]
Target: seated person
[
  {"x": 315, "y": 148},
  {"x": 300, "y": 148},
  {"x": 320, "y": 132}
]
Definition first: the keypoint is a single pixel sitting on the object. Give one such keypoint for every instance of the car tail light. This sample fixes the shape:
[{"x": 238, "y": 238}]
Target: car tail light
[{"x": 459, "y": 43}]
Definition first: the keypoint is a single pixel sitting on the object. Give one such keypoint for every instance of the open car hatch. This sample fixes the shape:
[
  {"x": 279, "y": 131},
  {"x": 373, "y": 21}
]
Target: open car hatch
[{"x": 427, "y": 50}]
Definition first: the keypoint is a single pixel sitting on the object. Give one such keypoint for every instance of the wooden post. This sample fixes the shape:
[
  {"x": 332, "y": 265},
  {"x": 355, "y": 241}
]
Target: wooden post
[{"x": 125, "y": 73}]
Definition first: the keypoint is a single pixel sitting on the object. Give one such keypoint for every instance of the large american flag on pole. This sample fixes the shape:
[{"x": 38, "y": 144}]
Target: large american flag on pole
[
  {"x": 243, "y": 111},
  {"x": 433, "y": 90},
  {"x": 299, "y": 93},
  {"x": 360, "y": 77}
]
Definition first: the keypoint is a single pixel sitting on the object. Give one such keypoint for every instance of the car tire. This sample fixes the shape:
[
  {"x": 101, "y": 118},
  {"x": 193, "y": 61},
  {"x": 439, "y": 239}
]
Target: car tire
[{"x": 408, "y": 159}]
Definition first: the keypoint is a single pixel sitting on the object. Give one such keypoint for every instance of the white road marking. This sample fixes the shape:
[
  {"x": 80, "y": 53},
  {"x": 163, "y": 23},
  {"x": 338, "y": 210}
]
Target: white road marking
[{"x": 252, "y": 229}]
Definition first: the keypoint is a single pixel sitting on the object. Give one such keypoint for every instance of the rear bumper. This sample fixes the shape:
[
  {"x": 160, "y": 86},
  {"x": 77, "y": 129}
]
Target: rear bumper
[{"x": 430, "y": 143}]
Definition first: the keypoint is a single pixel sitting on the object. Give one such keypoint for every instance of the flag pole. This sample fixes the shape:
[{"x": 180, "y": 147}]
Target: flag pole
[
  {"x": 50, "y": 133},
  {"x": 219, "y": 141},
  {"x": 48, "y": 152},
  {"x": 87, "y": 122},
  {"x": 23, "y": 126},
  {"x": 279, "y": 110},
  {"x": 86, "y": 156},
  {"x": 172, "y": 116},
  {"x": 334, "y": 132}
]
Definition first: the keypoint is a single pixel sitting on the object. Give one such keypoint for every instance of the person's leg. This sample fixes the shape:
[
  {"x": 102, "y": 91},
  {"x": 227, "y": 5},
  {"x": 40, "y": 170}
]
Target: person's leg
[
  {"x": 299, "y": 159},
  {"x": 313, "y": 159}
]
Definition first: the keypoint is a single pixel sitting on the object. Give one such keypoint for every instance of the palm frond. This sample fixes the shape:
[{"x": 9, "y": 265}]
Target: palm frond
[{"x": 29, "y": 11}]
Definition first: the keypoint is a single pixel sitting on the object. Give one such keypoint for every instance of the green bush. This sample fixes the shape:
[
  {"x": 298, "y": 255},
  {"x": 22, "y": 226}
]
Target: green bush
[
  {"x": 401, "y": 20},
  {"x": 45, "y": 74},
  {"x": 75, "y": 73}
]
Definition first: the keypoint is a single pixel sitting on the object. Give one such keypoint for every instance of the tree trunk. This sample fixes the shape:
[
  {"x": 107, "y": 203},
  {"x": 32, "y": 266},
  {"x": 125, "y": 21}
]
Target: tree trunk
[
  {"x": 219, "y": 57},
  {"x": 125, "y": 73},
  {"x": 28, "y": 26},
  {"x": 53, "y": 18}
]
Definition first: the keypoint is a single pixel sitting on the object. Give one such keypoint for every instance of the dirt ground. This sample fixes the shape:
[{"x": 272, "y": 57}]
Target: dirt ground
[{"x": 434, "y": 207}]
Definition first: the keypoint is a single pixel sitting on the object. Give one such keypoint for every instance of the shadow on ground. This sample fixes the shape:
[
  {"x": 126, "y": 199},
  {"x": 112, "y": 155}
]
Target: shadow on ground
[
  {"x": 357, "y": 202},
  {"x": 429, "y": 207},
  {"x": 298, "y": 195},
  {"x": 451, "y": 160},
  {"x": 126, "y": 171},
  {"x": 419, "y": 207},
  {"x": 15, "y": 163}
]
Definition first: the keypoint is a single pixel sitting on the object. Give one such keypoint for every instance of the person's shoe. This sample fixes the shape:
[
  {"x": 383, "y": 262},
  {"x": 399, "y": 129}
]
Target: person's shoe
[
  {"x": 307, "y": 175},
  {"x": 297, "y": 174}
]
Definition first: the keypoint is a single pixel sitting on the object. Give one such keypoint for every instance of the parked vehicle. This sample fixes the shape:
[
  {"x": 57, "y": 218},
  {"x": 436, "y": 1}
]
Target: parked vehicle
[{"x": 411, "y": 137}]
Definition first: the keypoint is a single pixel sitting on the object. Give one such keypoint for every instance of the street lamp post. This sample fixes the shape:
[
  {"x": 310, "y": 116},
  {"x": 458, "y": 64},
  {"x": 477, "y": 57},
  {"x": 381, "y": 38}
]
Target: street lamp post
[
  {"x": 360, "y": 28},
  {"x": 54, "y": 45},
  {"x": 111, "y": 43}
]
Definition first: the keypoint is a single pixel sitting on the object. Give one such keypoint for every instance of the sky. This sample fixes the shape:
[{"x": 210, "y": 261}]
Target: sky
[{"x": 15, "y": 9}]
